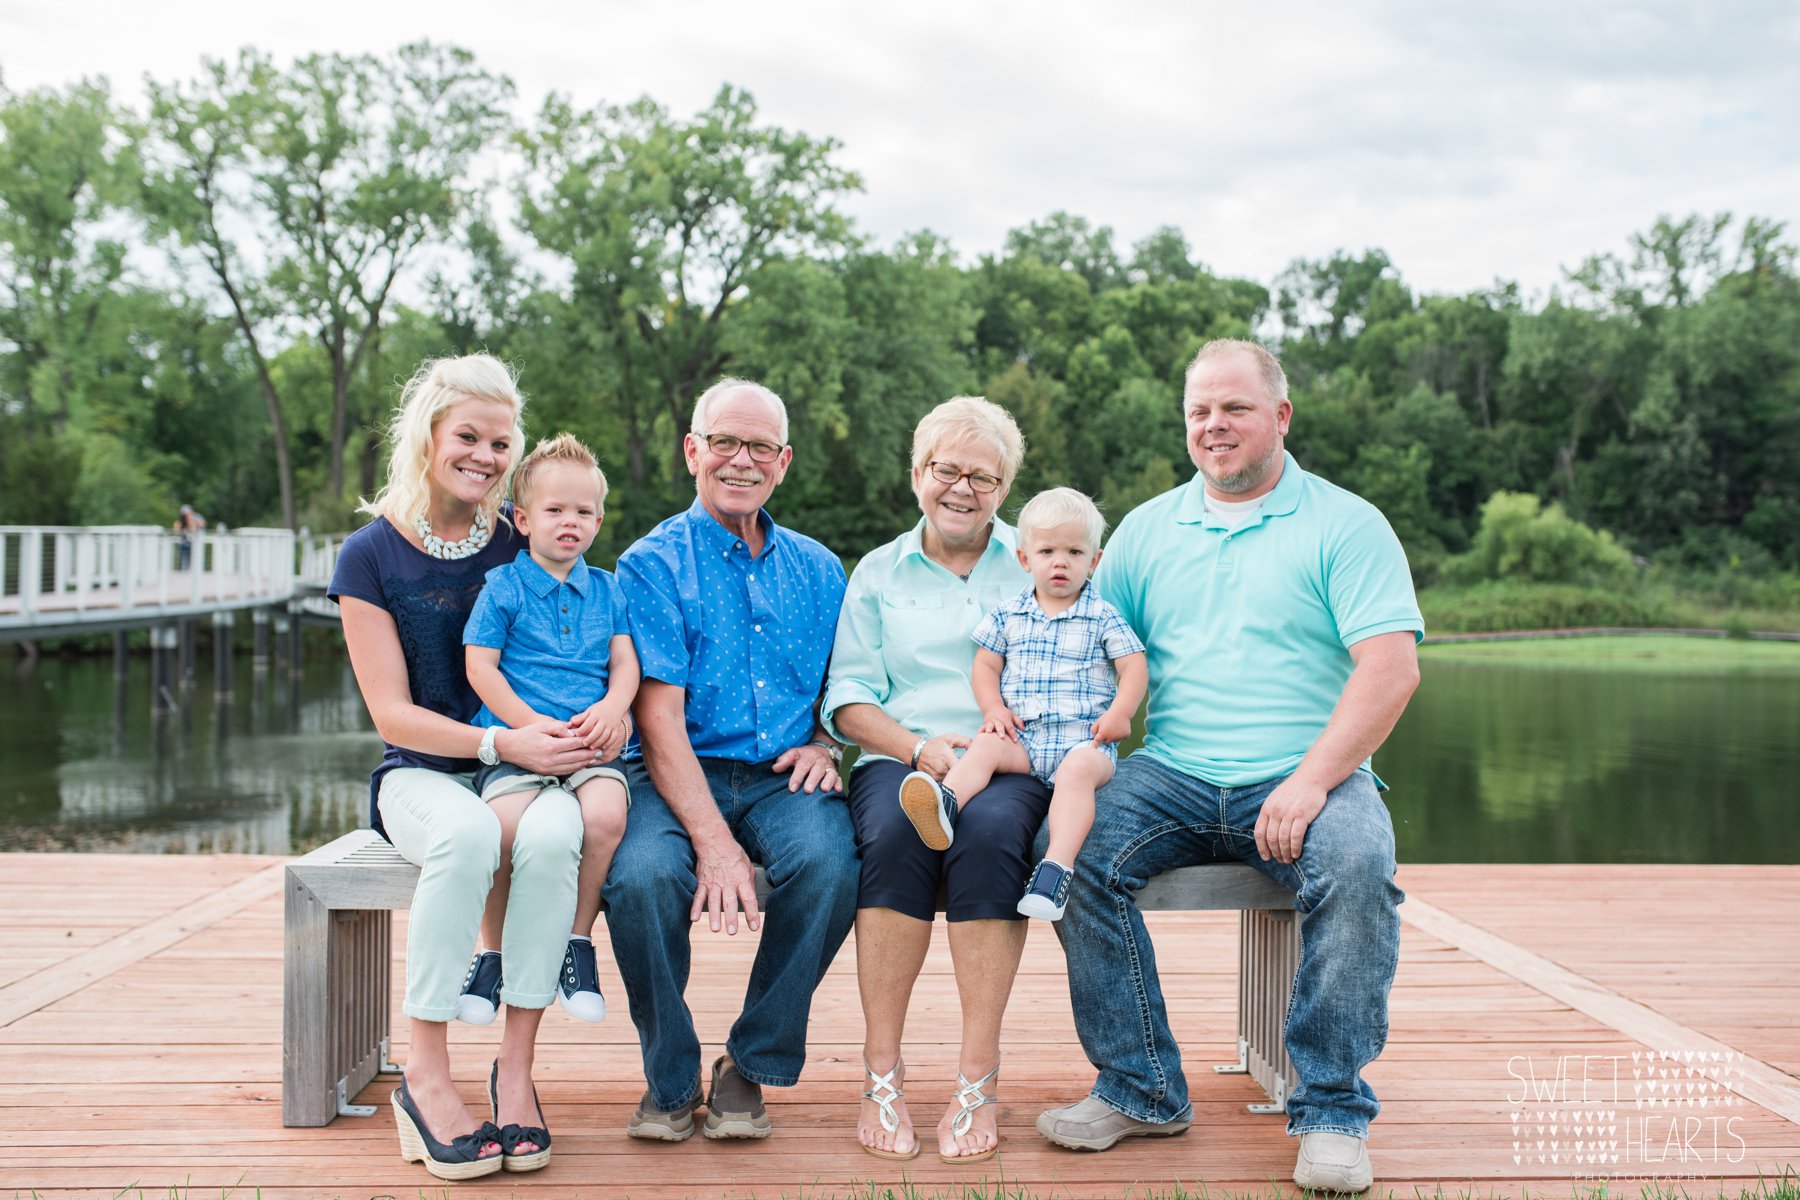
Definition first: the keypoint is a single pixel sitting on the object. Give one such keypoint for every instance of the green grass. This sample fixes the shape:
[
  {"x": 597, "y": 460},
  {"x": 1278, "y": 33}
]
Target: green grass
[{"x": 1626, "y": 652}]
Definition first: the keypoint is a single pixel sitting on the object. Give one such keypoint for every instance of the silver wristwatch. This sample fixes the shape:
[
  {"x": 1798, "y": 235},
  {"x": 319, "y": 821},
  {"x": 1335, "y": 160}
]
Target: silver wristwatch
[
  {"x": 489, "y": 754},
  {"x": 832, "y": 748}
]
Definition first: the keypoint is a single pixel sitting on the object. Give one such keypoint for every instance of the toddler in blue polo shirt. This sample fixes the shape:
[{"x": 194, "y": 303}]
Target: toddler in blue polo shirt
[
  {"x": 549, "y": 638},
  {"x": 1044, "y": 677}
]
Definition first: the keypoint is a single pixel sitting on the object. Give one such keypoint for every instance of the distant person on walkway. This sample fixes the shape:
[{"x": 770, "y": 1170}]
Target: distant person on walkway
[
  {"x": 405, "y": 584},
  {"x": 900, "y": 690},
  {"x": 732, "y": 616},
  {"x": 1050, "y": 703},
  {"x": 1280, "y": 622},
  {"x": 549, "y": 640},
  {"x": 187, "y": 524}
]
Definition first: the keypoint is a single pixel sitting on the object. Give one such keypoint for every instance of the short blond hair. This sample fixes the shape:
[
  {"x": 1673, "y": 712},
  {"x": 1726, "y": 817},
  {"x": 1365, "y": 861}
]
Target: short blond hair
[
  {"x": 563, "y": 448},
  {"x": 434, "y": 389},
  {"x": 970, "y": 418},
  {"x": 1267, "y": 365},
  {"x": 1061, "y": 506}
]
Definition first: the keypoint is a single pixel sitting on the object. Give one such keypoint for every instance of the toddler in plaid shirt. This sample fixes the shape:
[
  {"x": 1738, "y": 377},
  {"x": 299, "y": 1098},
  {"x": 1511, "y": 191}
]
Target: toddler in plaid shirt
[{"x": 1044, "y": 677}]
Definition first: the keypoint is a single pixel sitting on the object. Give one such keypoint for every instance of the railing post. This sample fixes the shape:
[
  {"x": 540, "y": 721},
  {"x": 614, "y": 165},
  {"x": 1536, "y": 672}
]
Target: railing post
[
  {"x": 31, "y": 572},
  {"x": 197, "y": 566}
]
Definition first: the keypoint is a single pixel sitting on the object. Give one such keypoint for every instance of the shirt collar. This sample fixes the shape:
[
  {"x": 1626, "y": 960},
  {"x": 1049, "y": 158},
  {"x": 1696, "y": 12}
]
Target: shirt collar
[
  {"x": 1026, "y": 602},
  {"x": 1280, "y": 502},
  {"x": 716, "y": 536},
  {"x": 1002, "y": 543},
  {"x": 542, "y": 582}
]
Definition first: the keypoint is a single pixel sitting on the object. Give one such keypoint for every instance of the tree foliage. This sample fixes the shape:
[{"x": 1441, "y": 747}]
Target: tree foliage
[{"x": 330, "y": 224}]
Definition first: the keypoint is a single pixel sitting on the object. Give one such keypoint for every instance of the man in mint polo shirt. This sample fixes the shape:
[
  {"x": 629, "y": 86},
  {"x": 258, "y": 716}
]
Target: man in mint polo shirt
[{"x": 1280, "y": 622}]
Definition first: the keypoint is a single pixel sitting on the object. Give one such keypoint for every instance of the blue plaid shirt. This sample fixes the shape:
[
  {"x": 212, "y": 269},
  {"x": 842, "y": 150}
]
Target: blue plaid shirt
[{"x": 1057, "y": 666}]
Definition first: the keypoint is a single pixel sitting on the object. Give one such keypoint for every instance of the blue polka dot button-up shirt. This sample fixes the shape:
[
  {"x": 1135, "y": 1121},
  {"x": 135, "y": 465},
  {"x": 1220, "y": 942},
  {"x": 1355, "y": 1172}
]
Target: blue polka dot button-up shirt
[{"x": 746, "y": 638}]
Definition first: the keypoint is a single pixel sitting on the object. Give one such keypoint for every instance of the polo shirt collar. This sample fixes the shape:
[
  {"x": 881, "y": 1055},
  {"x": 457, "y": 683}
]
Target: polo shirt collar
[
  {"x": 542, "y": 583},
  {"x": 715, "y": 535},
  {"x": 1281, "y": 502}
]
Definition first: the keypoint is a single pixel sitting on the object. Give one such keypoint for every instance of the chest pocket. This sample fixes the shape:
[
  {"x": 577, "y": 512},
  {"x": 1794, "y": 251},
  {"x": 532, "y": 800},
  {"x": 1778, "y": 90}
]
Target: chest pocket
[{"x": 911, "y": 618}]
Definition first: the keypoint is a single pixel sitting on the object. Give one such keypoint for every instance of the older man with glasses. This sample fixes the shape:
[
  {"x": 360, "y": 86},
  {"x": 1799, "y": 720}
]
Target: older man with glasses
[{"x": 733, "y": 618}]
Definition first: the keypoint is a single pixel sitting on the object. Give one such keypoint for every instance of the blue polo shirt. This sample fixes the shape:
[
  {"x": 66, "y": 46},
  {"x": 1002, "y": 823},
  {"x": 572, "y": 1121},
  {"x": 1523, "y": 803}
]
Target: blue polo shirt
[
  {"x": 554, "y": 635},
  {"x": 1248, "y": 631},
  {"x": 746, "y": 638}
]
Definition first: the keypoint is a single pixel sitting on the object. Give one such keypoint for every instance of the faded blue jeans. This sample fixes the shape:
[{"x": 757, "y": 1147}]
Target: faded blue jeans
[
  {"x": 805, "y": 843},
  {"x": 1151, "y": 818}
]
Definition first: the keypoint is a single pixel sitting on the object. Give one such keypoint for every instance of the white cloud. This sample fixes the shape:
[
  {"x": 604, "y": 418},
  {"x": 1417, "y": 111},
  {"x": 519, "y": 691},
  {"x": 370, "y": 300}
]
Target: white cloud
[{"x": 1469, "y": 142}]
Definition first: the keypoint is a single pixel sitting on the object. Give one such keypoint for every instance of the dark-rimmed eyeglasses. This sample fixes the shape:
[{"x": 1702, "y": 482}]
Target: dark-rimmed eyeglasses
[
  {"x": 979, "y": 481},
  {"x": 726, "y": 446}
]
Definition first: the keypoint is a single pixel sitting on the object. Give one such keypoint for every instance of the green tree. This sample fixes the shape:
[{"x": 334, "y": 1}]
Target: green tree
[
  {"x": 666, "y": 225},
  {"x": 305, "y": 193}
]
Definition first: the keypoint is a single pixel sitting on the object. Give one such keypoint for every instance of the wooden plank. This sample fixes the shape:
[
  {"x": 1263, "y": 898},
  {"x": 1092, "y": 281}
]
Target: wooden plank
[
  {"x": 65, "y": 978},
  {"x": 1753, "y": 1079}
]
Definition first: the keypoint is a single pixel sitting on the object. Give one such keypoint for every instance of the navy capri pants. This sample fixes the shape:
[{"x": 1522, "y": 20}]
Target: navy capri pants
[{"x": 982, "y": 873}]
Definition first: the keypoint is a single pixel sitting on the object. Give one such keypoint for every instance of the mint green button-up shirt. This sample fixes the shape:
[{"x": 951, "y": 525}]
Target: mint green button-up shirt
[
  {"x": 1249, "y": 630},
  {"x": 903, "y": 635}
]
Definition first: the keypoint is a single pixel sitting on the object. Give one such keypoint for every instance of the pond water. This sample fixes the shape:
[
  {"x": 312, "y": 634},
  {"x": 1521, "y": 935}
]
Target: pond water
[{"x": 1492, "y": 763}]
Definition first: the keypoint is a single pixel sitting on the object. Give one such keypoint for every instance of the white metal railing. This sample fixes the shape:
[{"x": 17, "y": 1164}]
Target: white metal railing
[{"x": 73, "y": 575}]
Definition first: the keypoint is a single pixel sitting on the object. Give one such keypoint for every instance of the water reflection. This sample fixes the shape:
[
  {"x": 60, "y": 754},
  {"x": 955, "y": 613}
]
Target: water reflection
[
  {"x": 278, "y": 767},
  {"x": 1490, "y": 764}
]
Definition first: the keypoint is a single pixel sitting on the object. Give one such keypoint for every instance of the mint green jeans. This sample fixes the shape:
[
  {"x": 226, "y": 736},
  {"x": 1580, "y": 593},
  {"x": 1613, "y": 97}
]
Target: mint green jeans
[{"x": 438, "y": 823}]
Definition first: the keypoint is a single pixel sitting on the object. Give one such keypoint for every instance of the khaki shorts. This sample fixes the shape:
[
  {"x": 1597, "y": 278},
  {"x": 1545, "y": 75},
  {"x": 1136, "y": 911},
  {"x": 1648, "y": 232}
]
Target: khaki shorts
[{"x": 505, "y": 779}]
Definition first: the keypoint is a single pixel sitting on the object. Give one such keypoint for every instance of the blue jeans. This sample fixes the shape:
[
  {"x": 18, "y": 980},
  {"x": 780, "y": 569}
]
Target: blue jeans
[
  {"x": 1149, "y": 819},
  {"x": 804, "y": 841}
]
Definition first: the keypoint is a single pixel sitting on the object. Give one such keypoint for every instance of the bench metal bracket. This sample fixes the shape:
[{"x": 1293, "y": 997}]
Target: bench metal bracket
[
  {"x": 1241, "y": 1066},
  {"x": 347, "y": 1109}
]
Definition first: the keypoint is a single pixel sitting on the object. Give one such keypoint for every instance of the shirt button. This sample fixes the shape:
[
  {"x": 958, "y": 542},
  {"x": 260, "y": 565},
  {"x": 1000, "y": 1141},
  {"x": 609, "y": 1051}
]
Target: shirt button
[
  {"x": 758, "y": 628},
  {"x": 759, "y": 683},
  {"x": 565, "y": 629}
]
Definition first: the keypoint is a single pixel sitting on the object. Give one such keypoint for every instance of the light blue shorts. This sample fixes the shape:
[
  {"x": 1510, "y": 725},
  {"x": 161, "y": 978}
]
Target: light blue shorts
[{"x": 1048, "y": 741}]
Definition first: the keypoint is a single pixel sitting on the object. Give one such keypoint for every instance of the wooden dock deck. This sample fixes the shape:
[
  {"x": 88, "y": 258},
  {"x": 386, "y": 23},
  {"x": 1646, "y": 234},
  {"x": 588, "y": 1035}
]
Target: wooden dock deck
[{"x": 1544, "y": 1017}]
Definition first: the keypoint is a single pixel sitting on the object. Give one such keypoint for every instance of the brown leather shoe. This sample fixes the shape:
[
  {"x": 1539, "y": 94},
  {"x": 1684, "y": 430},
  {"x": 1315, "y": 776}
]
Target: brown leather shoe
[
  {"x": 654, "y": 1125},
  {"x": 734, "y": 1105}
]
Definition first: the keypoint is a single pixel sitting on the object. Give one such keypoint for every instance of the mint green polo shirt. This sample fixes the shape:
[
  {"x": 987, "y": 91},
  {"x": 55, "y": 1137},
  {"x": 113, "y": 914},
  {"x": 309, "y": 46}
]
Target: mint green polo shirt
[
  {"x": 903, "y": 634},
  {"x": 1248, "y": 631}
]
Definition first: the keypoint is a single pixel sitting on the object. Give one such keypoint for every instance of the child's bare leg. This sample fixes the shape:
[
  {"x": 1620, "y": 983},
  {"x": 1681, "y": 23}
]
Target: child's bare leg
[
  {"x": 1083, "y": 770},
  {"x": 603, "y": 805},
  {"x": 987, "y": 756},
  {"x": 509, "y": 808}
]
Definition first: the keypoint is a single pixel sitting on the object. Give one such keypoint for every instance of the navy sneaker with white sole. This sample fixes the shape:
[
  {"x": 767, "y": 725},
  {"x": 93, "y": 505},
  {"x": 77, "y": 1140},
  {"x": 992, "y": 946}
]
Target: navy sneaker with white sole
[
  {"x": 479, "y": 1003},
  {"x": 1046, "y": 892},
  {"x": 578, "y": 987}
]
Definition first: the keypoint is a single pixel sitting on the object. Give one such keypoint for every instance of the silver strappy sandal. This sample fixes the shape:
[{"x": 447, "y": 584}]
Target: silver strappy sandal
[
  {"x": 972, "y": 1096},
  {"x": 883, "y": 1092}
]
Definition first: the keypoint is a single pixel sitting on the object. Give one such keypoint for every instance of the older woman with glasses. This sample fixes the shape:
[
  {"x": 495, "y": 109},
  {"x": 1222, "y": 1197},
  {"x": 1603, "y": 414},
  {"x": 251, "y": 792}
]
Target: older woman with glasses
[{"x": 899, "y": 688}]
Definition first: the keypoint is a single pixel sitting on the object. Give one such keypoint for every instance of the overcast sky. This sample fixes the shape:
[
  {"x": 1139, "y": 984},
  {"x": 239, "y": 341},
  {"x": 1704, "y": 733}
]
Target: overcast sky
[{"x": 1470, "y": 141}]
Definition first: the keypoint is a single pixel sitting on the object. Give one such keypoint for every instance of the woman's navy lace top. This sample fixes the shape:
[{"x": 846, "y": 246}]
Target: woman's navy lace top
[{"x": 429, "y": 599}]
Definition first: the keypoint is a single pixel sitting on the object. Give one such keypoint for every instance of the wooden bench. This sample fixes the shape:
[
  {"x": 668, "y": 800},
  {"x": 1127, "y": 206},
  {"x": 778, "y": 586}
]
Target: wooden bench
[{"x": 336, "y": 987}]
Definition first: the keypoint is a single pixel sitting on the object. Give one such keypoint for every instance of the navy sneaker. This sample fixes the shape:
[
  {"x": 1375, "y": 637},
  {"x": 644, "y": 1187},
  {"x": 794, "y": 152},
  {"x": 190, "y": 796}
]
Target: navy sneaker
[
  {"x": 932, "y": 809},
  {"x": 1046, "y": 892},
  {"x": 479, "y": 1003},
  {"x": 578, "y": 987}
]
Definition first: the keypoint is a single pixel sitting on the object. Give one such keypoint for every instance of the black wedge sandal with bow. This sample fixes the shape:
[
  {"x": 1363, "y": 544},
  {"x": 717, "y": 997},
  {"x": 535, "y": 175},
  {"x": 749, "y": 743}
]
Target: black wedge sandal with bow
[{"x": 513, "y": 1136}]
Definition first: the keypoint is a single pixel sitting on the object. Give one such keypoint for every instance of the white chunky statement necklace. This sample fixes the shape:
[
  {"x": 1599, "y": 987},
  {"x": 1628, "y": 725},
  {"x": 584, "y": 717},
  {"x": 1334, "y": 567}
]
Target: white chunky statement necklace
[{"x": 437, "y": 547}]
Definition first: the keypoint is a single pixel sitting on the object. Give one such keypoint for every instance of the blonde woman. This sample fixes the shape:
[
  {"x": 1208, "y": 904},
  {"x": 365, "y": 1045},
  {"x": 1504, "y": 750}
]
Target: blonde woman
[{"x": 405, "y": 584}]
